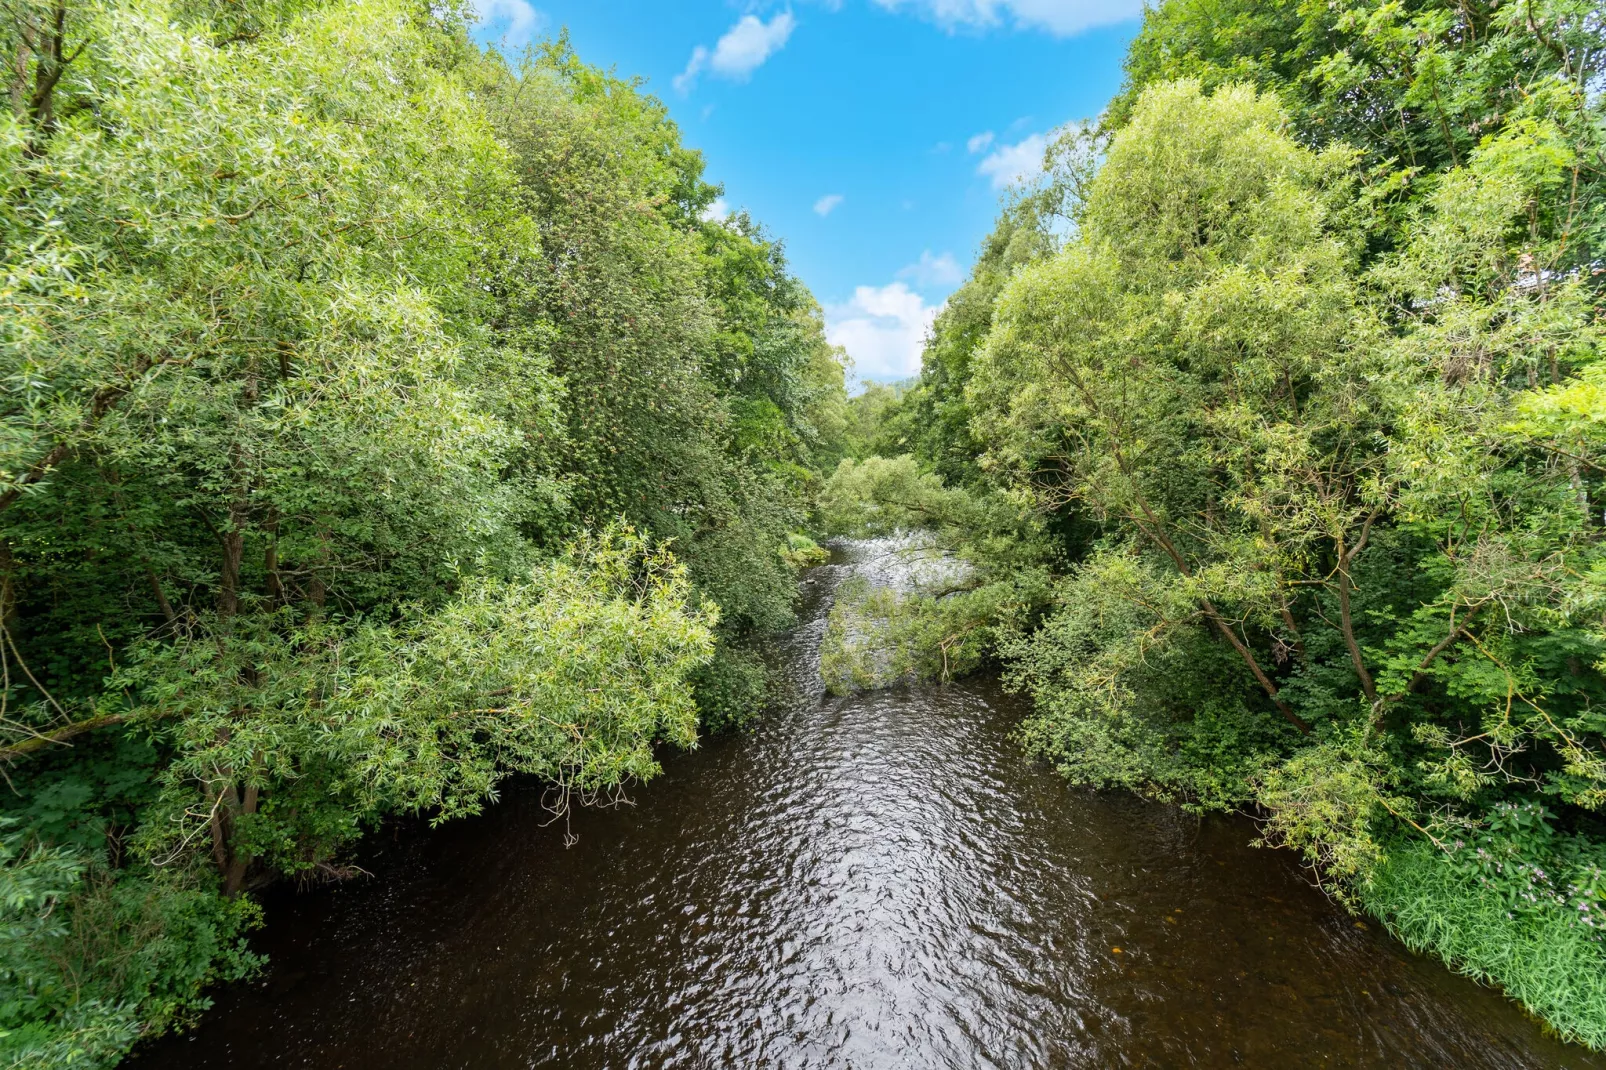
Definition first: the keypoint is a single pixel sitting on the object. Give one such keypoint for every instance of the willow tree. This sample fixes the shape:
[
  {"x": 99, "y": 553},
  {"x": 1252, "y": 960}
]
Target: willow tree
[
  {"x": 1350, "y": 560},
  {"x": 694, "y": 366},
  {"x": 1415, "y": 89},
  {"x": 282, "y": 515},
  {"x": 1186, "y": 369}
]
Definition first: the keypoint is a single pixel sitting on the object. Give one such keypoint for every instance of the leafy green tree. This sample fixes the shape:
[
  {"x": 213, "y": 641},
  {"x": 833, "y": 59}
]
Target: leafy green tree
[
  {"x": 335, "y": 351},
  {"x": 1318, "y": 358},
  {"x": 694, "y": 364},
  {"x": 1171, "y": 363},
  {"x": 1416, "y": 88}
]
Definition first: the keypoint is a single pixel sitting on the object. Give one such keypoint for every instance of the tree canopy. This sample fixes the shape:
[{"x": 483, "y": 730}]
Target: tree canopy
[
  {"x": 1294, "y": 361},
  {"x": 382, "y": 419}
]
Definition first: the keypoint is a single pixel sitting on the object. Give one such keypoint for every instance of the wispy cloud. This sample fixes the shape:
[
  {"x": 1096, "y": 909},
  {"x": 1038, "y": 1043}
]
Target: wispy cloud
[
  {"x": 688, "y": 77},
  {"x": 739, "y": 53},
  {"x": 827, "y": 204},
  {"x": 517, "y": 20},
  {"x": 931, "y": 271},
  {"x": 1059, "y": 17},
  {"x": 716, "y": 212},
  {"x": 1009, "y": 164},
  {"x": 883, "y": 329},
  {"x": 979, "y": 142}
]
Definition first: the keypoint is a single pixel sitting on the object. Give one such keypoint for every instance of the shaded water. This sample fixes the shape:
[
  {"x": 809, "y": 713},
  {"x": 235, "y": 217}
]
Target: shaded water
[{"x": 877, "y": 881}]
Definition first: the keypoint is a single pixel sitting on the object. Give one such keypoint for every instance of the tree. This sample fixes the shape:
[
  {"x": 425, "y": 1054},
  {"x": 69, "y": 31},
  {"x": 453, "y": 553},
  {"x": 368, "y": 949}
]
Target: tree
[{"x": 335, "y": 352}]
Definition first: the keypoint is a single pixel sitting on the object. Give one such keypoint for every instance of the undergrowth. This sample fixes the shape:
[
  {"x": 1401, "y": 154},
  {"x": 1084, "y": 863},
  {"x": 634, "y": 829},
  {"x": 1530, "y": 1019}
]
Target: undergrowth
[{"x": 1533, "y": 945}]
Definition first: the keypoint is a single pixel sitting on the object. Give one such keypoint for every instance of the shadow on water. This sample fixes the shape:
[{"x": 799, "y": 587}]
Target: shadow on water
[{"x": 876, "y": 881}]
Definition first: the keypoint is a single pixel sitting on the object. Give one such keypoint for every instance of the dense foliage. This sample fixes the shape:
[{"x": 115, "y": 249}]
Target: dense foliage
[
  {"x": 1295, "y": 360},
  {"x": 381, "y": 420}
]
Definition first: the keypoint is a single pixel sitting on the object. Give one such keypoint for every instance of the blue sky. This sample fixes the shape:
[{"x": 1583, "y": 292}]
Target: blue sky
[{"x": 875, "y": 137}]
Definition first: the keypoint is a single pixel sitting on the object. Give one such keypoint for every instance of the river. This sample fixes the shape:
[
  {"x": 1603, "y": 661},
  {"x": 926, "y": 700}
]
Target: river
[{"x": 881, "y": 880}]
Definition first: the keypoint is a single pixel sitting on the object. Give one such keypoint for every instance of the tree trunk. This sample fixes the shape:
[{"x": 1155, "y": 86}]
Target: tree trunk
[
  {"x": 47, "y": 72},
  {"x": 1381, "y": 707},
  {"x": 239, "y": 861},
  {"x": 19, "y": 80},
  {"x": 1151, "y": 527},
  {"x": 218, "y": 823},
  {"x": 1293, "y": 628},
  {"x": 233, "y": 537},
  {"x": 1575, "y": 478},
  {"x": 50, "y": 63},
  {"x": 317, "y": 592},
  {"x": 161, "y": 595},
  {"x": 228, "y": 595},
  {"x": 270, "y": 562},
  {"x": 8, "y": 585},
  {"x": 41, "y": 740},
  {"x": 1346, "y": 620},
  {"x": 1266, "y": 683}
]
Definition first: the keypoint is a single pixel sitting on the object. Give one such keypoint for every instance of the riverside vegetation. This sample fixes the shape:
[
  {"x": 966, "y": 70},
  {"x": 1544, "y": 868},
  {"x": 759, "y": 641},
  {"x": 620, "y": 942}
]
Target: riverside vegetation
[
  {"x": 1272, "y": 420},
  {"x": 381, "y": 419},
  {"x": 384, "y": 419}
]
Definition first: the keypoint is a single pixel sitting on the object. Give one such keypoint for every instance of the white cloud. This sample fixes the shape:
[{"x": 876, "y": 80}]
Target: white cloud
[
  {"x": 1059, "y": 17},
  {"x": 739, "y": 53},
  {"x": 883, "y": 329},
  {"x": 979, "y": 142},
  {"x": 746, "y": 46},
  {"x": 688, "y": 77},
  {"x": 517, "y": 19},
  {"x": 827, "y": 204},
  {"x": 1008, "y": 164},
  {"x": 932, "y": 271},
  {"x": 716, "y": 212}
]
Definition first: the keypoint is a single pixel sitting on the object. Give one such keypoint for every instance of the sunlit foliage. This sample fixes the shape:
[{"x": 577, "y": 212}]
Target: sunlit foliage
[
  {"x": 382, "y": 419},
  {"x": 1295, "y": 357}
]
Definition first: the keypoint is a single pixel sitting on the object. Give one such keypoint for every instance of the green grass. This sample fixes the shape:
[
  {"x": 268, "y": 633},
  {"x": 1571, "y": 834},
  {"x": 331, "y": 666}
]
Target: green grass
[{"x": 1544, "y": 960}]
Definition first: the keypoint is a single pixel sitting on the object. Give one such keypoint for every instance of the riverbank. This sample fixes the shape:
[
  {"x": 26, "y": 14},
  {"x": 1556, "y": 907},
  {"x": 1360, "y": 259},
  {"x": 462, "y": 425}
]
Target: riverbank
[{"x": 881, "y": 880}]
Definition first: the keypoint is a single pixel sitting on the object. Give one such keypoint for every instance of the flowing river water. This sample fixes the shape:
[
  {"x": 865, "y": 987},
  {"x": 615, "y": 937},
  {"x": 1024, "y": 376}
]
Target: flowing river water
[{"x": 882, "y": 880}]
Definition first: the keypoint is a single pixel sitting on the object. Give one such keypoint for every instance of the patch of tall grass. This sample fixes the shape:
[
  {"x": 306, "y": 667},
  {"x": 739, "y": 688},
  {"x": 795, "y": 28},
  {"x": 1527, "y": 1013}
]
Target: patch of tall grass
[{"x": 1542, "y": 957}]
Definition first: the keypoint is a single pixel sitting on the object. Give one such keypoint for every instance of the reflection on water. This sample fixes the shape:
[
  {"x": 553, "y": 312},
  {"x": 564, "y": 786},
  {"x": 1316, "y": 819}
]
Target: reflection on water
[{"x": 877, "y": 881}]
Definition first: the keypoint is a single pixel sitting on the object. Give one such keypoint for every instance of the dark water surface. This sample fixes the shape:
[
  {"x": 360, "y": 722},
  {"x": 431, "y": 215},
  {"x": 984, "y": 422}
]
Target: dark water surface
[{"x": 878, "y": 881}]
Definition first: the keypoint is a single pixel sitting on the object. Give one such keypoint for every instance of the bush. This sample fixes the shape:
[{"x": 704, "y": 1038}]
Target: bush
[
  {"x": 803, "y": 552},
  {"x": 730, "y": 689},
  {"x": 91, "y": 961}
]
